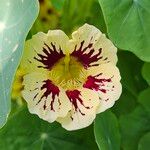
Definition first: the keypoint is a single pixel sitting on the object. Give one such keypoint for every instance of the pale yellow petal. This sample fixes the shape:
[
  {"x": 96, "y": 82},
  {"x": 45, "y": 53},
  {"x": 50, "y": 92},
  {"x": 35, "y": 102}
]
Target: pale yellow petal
[
  {"x": 46, "y": 106},
  {"x": 84, "y": 115},
  {"x": 107, "y": 84},
  {"x": 34, "y": 47},
  {"x": 87, "y": 39}
]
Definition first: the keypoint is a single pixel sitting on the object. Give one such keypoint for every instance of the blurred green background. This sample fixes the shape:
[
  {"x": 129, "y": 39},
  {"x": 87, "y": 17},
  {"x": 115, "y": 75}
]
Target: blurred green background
[{"x": 126, "y": 126}]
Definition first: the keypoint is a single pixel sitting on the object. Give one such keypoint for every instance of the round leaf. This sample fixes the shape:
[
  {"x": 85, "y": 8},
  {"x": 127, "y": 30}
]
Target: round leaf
[
  {"x": 126, "y": 103},
  {"x": 133, "y": 126},
  {"x": 144, "y": 99},
  {"x": 16, "y": 18},
  {"x": 25, "y": 131},
  {"x": 144, "y": 143},
  {"x": 130, "y": 70},
  {"x": 146, "y": 72},
  {"x": 128, "y": 25},
  {"x": 106, "y": 131}
]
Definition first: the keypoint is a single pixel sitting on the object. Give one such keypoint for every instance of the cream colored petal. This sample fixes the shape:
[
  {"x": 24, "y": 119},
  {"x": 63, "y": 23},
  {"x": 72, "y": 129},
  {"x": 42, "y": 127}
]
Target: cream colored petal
[
  {"x": 107, "y": 101},
  {"x": 41, "y": 41},
  {"x": 109, "y": 87},
  {"x": 59, "y": 38},
  {"x": 84, "y": 115},
  {"x": 32, "y": 47},
  {"x": 94, "y": 40},
  {"x": 46, "y": 107}
]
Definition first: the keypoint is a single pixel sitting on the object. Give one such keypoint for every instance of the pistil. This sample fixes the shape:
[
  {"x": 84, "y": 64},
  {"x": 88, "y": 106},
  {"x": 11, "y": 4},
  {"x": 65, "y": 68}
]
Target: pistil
[{"x": 67, "y": 63}]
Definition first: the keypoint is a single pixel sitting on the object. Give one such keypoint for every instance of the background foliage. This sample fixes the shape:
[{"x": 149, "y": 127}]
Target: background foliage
[{"x": 126, "y": 126}]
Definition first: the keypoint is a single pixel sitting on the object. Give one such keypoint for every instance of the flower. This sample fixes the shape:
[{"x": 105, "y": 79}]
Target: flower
[{"x": 70, "y": 81}]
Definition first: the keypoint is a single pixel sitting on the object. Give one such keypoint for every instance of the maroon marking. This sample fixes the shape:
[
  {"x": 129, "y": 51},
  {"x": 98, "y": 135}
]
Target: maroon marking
[
  {"x": 106, "y": 58},
  {"x": 106, "y": 99},
  {"x": 71, "y": 118},
  {"x": 96, "y": 84},
  {"x": 70, "y": 115},
  {"x": 51, "y": 56},
  {"x": 29, "y": 61},
  {"x": 50, "y": 89},
  {"x": 86, "y": 58},
  {"x": 44, "y": 106},
  {"x": 35, "y": 96},
  {"x": 34, "y": 89},
  {"x": 74, "y": 96}
]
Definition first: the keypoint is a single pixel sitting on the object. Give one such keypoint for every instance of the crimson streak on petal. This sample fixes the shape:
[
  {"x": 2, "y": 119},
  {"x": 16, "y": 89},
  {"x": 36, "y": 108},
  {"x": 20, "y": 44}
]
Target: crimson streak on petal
[
  {"x": 87, "y": 58},
  {"x": 74, "y": 97},
  {"x": 50, "y": 89},
  {"x": 50, "y": 57},
  {"x": 96, "y": 84}
]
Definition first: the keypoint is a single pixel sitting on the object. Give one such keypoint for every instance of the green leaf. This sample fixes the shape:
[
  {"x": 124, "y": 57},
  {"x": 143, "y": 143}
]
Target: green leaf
[
  {"x": 144, "y": 143},
  {"x": 16, "y": 18},
  {"x": 126, "y": 103},
  {"x": 25, "y": 131},
  {"x": 130, "y": 69},
  {"x": 144, "y": 99},
  {"x": 128, "y": 25},
  {"x": 106, "y": 131},
  {"x": 95, "y": 10},
  {"x": 133, "y": 127},
  {"x": 132, "y": 82},
  {"x": 146, "y": 72},
  {"x": 58, "y": 4},
  {"x": 75, "y": 14}
]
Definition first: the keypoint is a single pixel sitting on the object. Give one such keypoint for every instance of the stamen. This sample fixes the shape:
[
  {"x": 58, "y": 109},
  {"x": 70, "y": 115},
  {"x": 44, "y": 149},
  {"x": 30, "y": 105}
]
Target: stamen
[
  {"x": 68, "y": 73},
  {"x": 67, "y": 61}
]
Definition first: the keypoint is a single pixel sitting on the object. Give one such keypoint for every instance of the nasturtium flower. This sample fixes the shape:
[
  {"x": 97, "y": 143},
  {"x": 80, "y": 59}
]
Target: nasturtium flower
[{"x": 70, "y": 80}]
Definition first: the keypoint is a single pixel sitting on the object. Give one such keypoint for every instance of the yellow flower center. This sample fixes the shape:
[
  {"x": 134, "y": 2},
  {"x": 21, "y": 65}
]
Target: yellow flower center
[{"x": 68, "y": 73}]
